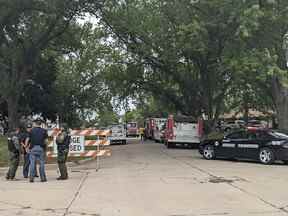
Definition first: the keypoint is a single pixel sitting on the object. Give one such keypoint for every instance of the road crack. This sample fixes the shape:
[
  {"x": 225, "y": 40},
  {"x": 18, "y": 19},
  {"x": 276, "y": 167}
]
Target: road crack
[{"x": 81, "y": 184}]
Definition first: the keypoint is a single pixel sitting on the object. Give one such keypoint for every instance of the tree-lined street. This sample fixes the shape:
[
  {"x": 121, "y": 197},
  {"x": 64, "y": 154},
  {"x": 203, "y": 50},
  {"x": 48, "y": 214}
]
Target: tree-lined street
[
  {"x": 180, "y": 72},
  {"x": 188, "y": 57}
]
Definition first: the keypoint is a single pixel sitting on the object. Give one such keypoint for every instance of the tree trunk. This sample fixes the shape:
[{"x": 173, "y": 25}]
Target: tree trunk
[
  {"x": 280, "y": 97},
  {"x": 13, "y": 105}
]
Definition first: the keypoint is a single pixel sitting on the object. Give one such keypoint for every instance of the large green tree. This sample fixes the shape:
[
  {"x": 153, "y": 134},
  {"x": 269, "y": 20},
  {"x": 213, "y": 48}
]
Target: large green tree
[
  {"x": 182, "y": 46},
  {"x": 260, "y": 49},
  {"x": 196, "y": 54},
  {"x": 81, "y": 92},
  {"x": 27, "y": 29}
]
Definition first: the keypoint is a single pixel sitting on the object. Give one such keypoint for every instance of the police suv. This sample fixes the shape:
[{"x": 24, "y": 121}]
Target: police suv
[{"x": 259, "y": 144}]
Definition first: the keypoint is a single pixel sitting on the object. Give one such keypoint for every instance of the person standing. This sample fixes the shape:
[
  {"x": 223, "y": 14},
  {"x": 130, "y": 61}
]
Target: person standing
[
  {"x": 141, "y": 131},
  {"x": 63, "y": 141},
  {"x": 14, "y": 153},
  {"x": 38, "y": 139},
  {"x": 26, "y": 151}
]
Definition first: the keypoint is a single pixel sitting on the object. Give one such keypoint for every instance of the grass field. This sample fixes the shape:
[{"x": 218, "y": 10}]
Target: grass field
[{"x": 3, "y": 151}]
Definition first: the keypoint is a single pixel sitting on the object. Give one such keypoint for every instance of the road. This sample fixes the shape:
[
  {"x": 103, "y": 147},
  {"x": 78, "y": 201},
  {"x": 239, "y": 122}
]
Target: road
[{"x": 150, "y": 180}]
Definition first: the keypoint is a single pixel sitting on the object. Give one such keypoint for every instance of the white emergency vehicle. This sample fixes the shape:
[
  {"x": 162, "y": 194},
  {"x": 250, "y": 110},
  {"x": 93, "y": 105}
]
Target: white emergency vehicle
[
  {"x": 183, "y": 131},
  {"x": 118, "y": 134}
]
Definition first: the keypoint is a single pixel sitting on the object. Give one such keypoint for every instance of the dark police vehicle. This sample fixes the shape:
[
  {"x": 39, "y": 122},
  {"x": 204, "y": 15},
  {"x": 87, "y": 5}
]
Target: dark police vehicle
[{"x": 263, "y": 145}]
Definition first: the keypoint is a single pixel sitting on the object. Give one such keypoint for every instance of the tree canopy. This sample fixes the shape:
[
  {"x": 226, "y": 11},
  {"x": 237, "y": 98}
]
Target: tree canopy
[{"x": 189, "y": 57}]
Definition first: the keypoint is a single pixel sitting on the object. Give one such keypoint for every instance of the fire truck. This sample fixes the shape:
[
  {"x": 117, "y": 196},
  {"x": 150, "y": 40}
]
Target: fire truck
[
  {"x": 153, "y": 128},
  {"x": 184, "y": 131},
  {"x": 149, "y": 125},
  {"x": 159, "y": 129},
  {"x": 132, "y": 129}
]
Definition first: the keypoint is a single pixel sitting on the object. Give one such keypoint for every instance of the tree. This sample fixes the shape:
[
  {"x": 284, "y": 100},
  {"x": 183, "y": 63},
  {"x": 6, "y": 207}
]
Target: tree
[
  {"x": 27, "y": 29},
  {"x": 197, "y": 54},
  {"x": 263, "y": 27},
  {"x": 182, "y": 46},
  {"x": 80, "y": 90}
]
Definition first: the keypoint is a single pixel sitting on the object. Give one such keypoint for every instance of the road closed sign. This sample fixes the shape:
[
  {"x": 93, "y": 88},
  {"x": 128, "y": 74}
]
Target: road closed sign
[{"x": 76, "y": 146}]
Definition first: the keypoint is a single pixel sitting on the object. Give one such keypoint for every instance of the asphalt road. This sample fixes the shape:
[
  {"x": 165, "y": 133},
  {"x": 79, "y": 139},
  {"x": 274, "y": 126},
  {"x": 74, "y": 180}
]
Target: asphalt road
[{"x": 150, "y": 180}]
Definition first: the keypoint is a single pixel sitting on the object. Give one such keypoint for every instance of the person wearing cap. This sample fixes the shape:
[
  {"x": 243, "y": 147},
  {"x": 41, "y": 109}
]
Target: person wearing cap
[
  {"x": 63, "y": 141},
  {"x": 38, "y": 139},
  {"x": 25, "y": 145}
]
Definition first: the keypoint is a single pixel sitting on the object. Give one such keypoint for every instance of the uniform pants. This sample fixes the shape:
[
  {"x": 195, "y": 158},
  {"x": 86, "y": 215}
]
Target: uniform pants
[
  {"x": 14, "y": 158},
  {"x": 61, "y": 159}
]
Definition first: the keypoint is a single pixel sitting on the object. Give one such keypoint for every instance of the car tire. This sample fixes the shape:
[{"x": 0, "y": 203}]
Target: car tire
[
  {"x": 124, "y": 142},
  {"x": 266, "y": 156},
  {"x": 285, "y": 162},
  {"x": 228, "y": 129},
  {"x": 209, "y": 152}
]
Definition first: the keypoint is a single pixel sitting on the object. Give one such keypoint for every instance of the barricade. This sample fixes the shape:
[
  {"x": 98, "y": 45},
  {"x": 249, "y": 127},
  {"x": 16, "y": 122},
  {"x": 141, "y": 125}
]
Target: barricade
[{"x": 87, "y": 143}]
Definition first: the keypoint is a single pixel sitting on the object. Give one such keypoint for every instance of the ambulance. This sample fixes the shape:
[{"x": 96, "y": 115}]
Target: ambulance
[{"x": 183, "y": 131}]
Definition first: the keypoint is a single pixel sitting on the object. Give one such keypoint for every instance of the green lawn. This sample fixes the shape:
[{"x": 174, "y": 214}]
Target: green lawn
[{"x": 3, "y": 151}]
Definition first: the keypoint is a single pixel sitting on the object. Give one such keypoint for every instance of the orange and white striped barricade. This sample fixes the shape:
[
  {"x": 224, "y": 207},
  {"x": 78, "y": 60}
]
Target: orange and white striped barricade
[{"x": 81, "y": 145}]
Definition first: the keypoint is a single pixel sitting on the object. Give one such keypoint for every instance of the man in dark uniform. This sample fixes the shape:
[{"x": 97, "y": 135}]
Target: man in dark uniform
[
  {"x": 14, "y": 153},
  {"x": 63, "y": 141},
  {"x": 26, "y": 151},
  {"x": 38, "y": 139}
]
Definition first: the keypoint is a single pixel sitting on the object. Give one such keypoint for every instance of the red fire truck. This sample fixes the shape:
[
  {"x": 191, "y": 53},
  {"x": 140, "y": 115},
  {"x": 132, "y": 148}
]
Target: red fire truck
[
  {"x": 132, "y": 129},
  {"x": 149, "y": 125},
  {"x": 153, "y": 128},
  {"x": 185, "y": 131}
]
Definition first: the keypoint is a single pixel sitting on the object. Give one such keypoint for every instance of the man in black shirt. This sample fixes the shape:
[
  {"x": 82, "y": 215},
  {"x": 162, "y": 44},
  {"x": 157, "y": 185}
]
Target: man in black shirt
[
  {"x": 37, "y": 138},
  {"x": 26, "y": 151}
]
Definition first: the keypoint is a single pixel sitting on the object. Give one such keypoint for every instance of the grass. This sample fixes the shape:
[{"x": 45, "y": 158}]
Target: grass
[{"x": 3, "y": 151}]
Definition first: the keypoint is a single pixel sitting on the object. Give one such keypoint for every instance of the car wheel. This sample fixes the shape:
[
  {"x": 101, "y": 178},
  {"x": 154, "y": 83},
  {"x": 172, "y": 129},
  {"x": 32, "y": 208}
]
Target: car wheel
[
  {"x": 285, "y": 162},
  {"x": 266, "y": 156},
  {"x": 228, "y": 129},
  {"x": 209, "y": 152}
]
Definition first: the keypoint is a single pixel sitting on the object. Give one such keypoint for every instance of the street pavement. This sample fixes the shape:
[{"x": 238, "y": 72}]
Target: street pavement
[{"x": 150, "y": 180}]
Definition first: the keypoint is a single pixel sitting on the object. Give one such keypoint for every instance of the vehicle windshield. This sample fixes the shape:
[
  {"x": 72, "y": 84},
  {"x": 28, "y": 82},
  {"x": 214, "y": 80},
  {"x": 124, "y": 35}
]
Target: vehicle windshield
[
  {"x": 278, "y": 135},
  {"x": 132, "y": 125}
]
